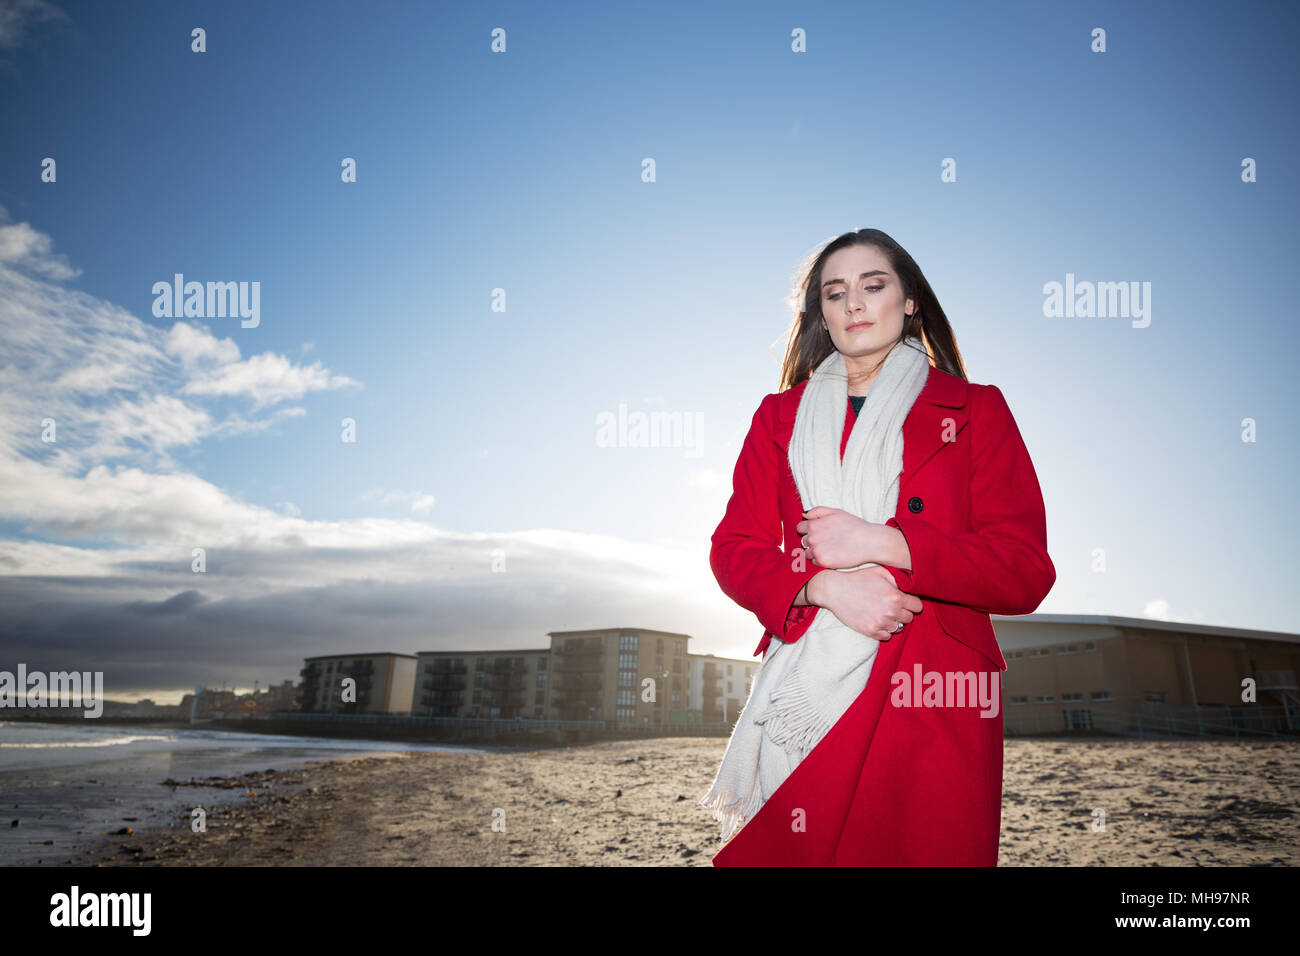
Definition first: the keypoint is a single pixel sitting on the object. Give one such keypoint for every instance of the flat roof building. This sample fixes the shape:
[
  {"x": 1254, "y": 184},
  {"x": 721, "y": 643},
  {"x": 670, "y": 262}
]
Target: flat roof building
[
  {"x": 1073, "y": 672},
  {"x": 380, "y": 683},
  {"x": 632, "y": 676},
  {"x": 492, "y": 684}
]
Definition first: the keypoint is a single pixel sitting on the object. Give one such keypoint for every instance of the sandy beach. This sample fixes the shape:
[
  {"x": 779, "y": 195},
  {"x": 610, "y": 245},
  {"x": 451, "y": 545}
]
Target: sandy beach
[{"x": 1194, "y": 803}]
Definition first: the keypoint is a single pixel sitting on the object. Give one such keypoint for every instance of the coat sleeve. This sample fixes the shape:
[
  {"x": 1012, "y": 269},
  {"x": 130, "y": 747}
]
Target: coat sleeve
[
  {"x": 746, "y": 554},
  {"x": 1002, "y": 565}
]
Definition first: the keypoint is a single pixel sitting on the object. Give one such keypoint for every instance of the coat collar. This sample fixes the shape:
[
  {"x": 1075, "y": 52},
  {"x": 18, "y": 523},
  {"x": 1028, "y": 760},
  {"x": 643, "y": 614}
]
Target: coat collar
[{"x": 936, "y": 418}]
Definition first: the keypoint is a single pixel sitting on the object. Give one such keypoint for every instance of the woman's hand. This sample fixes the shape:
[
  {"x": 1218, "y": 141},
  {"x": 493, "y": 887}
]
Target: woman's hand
[
  {"x": 866, "y": 600},
  {"x": 836, "y": 539}
]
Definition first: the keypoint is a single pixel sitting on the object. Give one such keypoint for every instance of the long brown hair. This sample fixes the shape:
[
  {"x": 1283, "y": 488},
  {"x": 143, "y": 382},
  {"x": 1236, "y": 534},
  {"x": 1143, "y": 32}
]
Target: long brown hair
[{"x": 810, "y": 343}]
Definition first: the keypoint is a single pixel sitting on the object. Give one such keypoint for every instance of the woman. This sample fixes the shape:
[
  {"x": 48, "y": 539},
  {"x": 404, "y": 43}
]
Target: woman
[{"x": 908, "y": 510}]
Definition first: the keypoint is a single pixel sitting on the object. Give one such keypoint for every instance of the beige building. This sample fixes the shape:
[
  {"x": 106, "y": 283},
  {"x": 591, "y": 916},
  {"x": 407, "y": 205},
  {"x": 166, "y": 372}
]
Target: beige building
[
  {"x": 384, "y": 684},
  {"x": 586, "y": 675},
  {"x": 719, "y": 686},
  {"x": 608, "y": 674},
  {"x": 493, "y": 684},
  {"x": 1067, "y": 672}
]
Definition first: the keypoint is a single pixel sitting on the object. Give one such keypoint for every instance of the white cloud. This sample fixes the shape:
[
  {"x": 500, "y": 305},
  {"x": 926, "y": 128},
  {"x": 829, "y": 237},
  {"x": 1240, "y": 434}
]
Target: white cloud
[
  {"x": 266, "y": 379},
  {"x": 25, "y": 248},
  {"x": 108, "y": 386},
  {"x": 196, "y": 346},
  {"x": 1157, "y": 609},
  {"x": 420, "y": 502},
  {"x": 215, "y": 368}
]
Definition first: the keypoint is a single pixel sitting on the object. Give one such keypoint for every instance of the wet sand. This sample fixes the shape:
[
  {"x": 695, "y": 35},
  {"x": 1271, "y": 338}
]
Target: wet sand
[{"x": 633, "y": 803}]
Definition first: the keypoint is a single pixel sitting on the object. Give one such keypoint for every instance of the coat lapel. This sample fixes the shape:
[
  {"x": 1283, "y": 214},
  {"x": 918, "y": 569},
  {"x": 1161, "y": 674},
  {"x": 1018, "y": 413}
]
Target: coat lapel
[{"x": 936, "y": 418}]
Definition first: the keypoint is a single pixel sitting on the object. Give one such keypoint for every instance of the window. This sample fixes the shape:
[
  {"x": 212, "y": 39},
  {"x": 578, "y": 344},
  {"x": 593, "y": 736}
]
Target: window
[
  {"x": 1155, "y": 696},
  {"x": 1078, "y": 720},
  {"x": 1100, "y": 695},
  {"x": 1068, "y": 649},
  {"x": 1072, "y": 698}
]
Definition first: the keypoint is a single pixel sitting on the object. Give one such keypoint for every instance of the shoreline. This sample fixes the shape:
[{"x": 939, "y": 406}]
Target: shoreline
[
  {"x": 64, "y": 790},
  {"x": 620, "y": 803},
  {"x": 539, "y": 807}
]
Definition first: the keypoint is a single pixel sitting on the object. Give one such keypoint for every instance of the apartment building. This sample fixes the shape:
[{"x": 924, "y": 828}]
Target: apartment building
[
  {"x": 494, "y": 684},
  {"x": 384, "y": 683},
  {"x": 719, "y": 686},
  {"x": 630, "y": 676}
]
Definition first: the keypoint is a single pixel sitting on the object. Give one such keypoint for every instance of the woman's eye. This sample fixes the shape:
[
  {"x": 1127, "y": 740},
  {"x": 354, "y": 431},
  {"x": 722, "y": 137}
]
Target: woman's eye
[{"x": 870, "y": 288}]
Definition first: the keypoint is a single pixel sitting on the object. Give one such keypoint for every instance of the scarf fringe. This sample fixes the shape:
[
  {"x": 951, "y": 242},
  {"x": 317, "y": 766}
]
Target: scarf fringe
[
  {"x": 795, "y": 723},
  {"x": 730, "y": 809}
]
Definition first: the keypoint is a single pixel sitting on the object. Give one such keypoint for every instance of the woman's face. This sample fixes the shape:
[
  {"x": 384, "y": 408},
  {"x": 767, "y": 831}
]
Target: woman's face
[{"x": 862, "y": 301}]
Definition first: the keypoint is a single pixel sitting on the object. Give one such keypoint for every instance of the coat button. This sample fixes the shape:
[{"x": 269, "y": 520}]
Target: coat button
[{"x": 914, "y": 505}]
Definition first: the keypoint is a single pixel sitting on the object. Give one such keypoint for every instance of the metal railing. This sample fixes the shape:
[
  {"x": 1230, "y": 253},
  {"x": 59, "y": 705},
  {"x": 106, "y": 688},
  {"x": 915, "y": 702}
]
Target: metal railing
[
  {"x": 1232, "y": 722},
  {"x": 489, "y": 725},
  {"x": 1236, "y": 722}
]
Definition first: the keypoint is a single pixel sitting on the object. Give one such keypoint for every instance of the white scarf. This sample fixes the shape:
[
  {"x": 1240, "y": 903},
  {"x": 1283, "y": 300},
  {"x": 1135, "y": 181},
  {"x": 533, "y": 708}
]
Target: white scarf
[{"x": 803, "y": 688}]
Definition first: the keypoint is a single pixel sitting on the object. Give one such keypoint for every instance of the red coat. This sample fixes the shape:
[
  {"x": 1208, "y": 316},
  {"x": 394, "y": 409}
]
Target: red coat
[{"x": 895, "y": 785}]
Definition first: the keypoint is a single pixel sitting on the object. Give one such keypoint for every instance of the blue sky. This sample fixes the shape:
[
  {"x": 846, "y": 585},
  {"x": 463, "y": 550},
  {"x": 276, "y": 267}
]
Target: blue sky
[{"x": 521, "y": 171}]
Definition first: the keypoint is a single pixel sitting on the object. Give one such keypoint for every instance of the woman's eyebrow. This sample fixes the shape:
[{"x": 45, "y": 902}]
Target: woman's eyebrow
[{"x": 873, "y": 272}]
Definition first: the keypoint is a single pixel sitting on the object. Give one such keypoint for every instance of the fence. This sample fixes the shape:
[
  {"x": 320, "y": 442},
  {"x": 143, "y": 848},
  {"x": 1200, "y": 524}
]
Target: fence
[
  {"x": 1167, "y": 722},
  {"x": 1235, "y": 722},
  {"x": 450, "y": 729}
]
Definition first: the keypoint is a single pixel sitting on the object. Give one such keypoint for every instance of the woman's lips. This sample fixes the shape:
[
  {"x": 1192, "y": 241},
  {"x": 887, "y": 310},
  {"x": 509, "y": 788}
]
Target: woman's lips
[{"x": 858, "y": 325}]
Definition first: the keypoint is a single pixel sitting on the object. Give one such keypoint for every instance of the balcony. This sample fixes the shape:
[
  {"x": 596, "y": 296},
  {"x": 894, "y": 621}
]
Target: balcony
[
  {"x": 589, "y": 682},
  {"x": 582, "y": 658},
  {"x": 1276, "y": 680},
  {"x": 444, "y": 682},
  {"x": 505, "y": 681}
]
